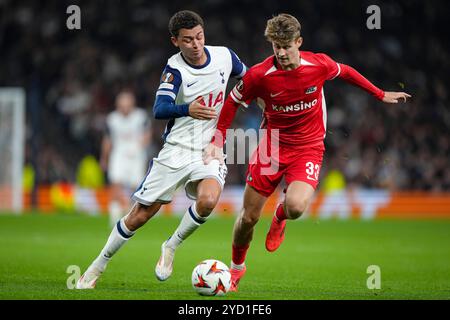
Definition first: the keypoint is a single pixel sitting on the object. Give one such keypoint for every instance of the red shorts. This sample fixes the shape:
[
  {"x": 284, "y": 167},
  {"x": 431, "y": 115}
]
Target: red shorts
[{"x": 264, "y": 173}]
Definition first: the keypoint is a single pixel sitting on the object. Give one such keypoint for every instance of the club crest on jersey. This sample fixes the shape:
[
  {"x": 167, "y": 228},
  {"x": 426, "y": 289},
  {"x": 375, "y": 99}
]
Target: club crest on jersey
[
  {"x": 311, "y": 90},
  {"x": 222, "y": 74},
  {"x": 167, "y": 77}
]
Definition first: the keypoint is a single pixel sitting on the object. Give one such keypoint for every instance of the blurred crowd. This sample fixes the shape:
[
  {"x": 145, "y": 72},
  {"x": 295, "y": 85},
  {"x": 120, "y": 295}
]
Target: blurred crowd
[{"x": 72, "y": 77}]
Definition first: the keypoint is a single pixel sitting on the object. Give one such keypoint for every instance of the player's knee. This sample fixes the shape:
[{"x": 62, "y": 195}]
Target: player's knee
[
  {"x": 205, "y": 204},
  {"x": 249, "y": 220},
  {"x": 296, "y": 208},
  {"x": 250, "y": 213}
]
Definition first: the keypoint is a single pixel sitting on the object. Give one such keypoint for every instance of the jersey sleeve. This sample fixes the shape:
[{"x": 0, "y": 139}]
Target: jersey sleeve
[
  {"x": 333, "y": 69},
  {"x": 165, "y": 107},
  {"x": 353, "y": 77},
  {"x": 245, "y": 90},
  {"x": 238, "y": 69},
  {"x": 170, "y": 82}
]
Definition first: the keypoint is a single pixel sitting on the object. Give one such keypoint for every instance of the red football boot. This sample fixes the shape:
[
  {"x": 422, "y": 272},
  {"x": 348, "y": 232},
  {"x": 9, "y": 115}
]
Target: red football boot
[
  {"x": 275, "y": 236},
  {"x": 236, "y": 276}
]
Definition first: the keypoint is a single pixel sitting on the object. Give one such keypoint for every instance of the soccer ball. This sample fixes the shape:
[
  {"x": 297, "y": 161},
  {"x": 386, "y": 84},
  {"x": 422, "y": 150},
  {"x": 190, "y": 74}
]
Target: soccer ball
[{"x": 211, "y": 278}]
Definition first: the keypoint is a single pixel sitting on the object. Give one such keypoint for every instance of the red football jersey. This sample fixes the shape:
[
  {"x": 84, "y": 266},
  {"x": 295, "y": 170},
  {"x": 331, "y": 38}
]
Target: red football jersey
[{"x": 293, "y": 101}]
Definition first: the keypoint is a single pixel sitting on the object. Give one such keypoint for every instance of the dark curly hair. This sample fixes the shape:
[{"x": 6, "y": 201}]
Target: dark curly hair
[{"x": 184, "y": 19}]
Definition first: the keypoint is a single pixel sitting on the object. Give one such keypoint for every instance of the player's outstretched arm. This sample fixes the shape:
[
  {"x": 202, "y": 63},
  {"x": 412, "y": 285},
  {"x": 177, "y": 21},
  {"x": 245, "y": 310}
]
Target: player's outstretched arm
[
  {"x": 352, "y": 76},
  {"x": 394, "y": 97}
]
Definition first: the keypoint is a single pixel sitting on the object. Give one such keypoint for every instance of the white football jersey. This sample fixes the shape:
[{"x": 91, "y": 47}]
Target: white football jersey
[
  {"x": 184, "y": 83},
  {"x": 126, "y": 133}
]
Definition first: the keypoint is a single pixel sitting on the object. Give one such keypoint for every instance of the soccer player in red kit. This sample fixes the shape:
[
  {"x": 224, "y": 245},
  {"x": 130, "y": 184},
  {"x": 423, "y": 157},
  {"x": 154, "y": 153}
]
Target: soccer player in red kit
[{"x": 289, "y": 87}]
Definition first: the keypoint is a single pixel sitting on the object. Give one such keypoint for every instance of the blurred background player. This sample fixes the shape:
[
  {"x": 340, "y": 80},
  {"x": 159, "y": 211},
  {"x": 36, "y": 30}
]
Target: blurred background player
[
  {"x": 191, "y": 94},
  {"x": 124, "y": 151},
  {"x": 290, "y": 84}
]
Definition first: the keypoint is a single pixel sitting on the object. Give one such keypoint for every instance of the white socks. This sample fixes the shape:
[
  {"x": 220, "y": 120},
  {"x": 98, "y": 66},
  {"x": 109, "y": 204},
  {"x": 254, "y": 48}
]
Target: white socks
[
  {"x": 190, "y": 222},
  {"x": 237, "y": 266},
  {"x": 119, "y": 235}
]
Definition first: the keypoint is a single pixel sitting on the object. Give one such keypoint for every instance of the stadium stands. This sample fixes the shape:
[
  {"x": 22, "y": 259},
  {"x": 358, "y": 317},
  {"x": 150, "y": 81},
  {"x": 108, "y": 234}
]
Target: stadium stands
[{"x": 71, "y": 78}]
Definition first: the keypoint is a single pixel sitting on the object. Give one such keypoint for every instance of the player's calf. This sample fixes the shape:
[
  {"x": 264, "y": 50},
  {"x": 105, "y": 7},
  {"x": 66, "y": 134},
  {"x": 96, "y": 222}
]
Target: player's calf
[{"x": 140, "y": 214}]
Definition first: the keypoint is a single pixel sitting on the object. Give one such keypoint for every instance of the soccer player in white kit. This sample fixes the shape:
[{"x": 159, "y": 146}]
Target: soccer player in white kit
[
  {"x": 124, "y": 151},
  {"x": 191, "y": 94}
]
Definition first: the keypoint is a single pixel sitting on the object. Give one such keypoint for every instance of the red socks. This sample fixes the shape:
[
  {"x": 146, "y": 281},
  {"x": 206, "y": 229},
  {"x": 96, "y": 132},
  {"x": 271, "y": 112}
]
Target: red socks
[
  {"x": 280, "y": 213},
  {"x": 239, "y": 253}
]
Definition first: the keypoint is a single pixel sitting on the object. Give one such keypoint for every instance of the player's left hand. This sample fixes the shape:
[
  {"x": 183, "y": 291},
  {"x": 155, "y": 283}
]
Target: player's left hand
[
  {"x": 212, "y": 152},
  {"x": 393, "y": 97}
]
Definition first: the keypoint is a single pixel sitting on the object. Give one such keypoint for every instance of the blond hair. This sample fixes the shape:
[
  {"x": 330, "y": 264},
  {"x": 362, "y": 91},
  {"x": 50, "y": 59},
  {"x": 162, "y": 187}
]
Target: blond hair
[{"x": 282, "y": 29}]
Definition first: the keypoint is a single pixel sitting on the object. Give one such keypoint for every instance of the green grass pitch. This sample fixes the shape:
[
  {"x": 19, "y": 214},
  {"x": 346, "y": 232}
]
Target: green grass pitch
[{"x": 318, "y": 260}]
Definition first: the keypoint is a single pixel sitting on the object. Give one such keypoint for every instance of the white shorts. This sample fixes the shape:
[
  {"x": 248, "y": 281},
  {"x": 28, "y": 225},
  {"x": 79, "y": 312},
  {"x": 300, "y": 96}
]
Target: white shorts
[
  {"x": 126, "y": 172},
  {"x": 162, "y": 181}
]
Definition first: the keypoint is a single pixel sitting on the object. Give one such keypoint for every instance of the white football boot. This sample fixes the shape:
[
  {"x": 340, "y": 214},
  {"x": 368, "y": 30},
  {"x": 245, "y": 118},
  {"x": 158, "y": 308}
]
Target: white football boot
[
  {"x": 89, "y": 278},
  {"x": 164, "y": 267}
]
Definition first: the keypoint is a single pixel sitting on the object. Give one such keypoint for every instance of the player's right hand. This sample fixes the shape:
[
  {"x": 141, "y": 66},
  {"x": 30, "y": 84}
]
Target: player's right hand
[
  {"x": 198, "y": 110},
  {"x": 394, "y": 97},
  {"x": 212, "y": 152}
]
